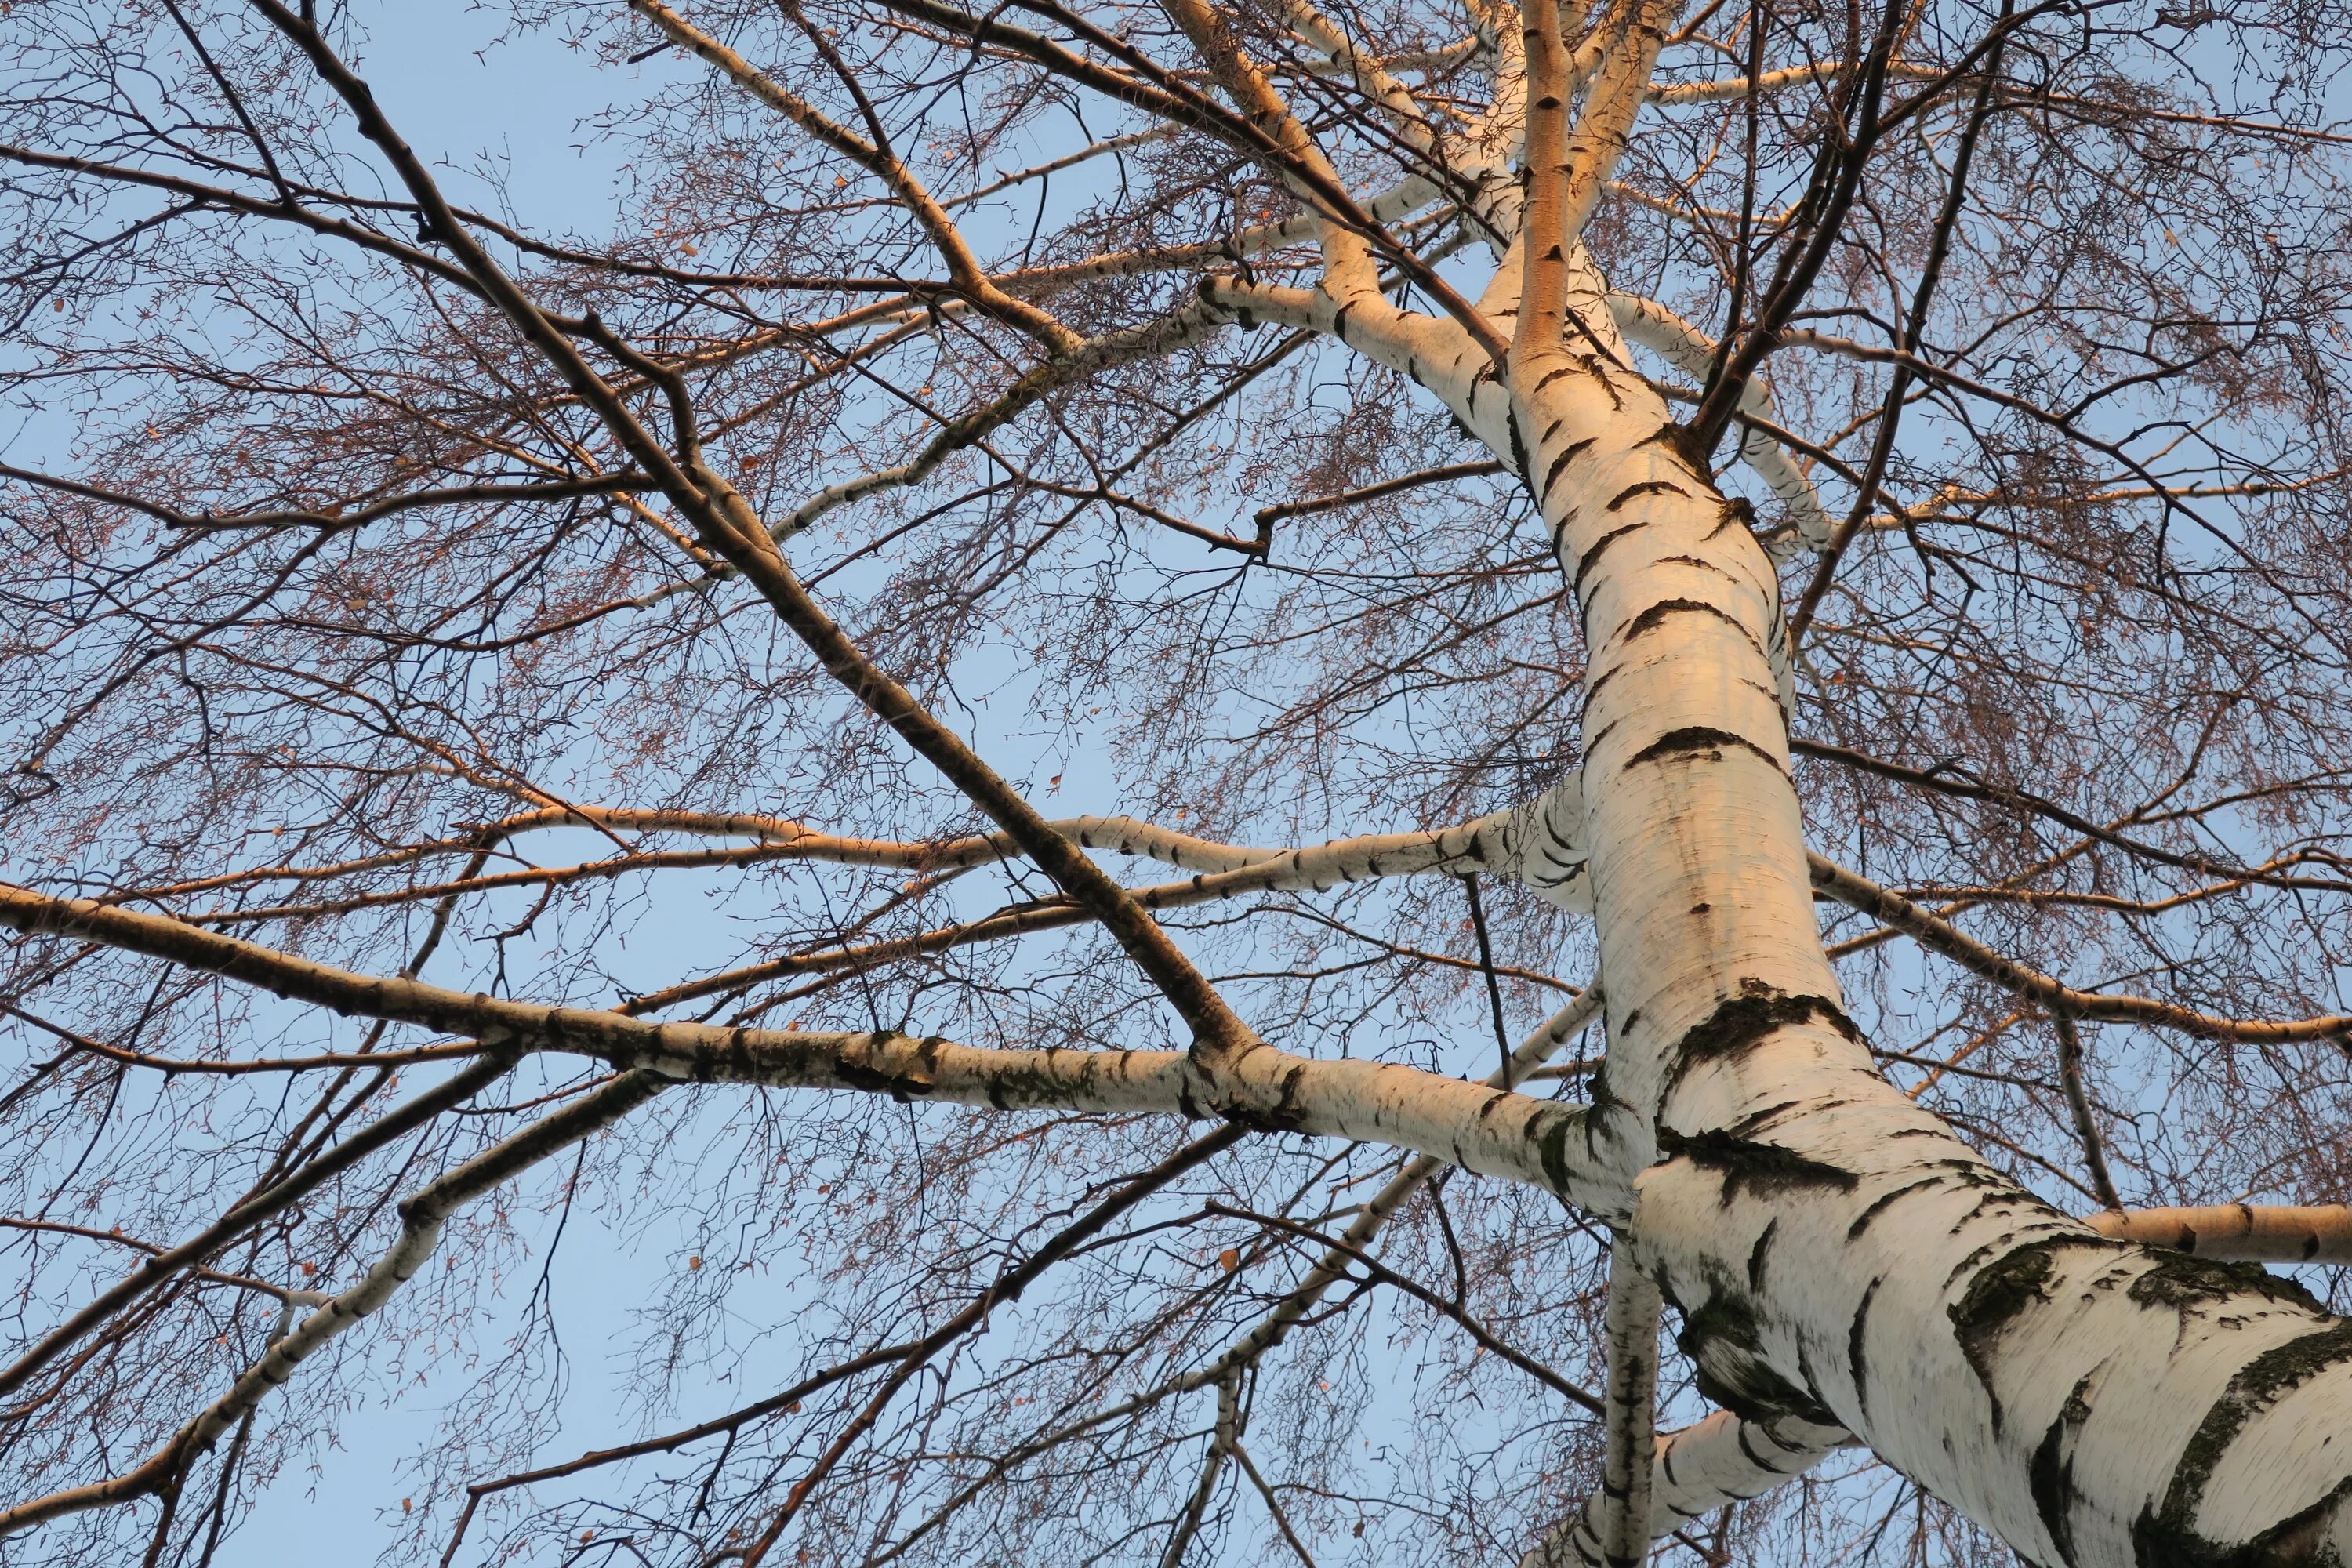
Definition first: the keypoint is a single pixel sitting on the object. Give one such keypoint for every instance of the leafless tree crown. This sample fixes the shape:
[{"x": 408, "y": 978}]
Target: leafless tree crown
[{"x": 836, "y": 712}]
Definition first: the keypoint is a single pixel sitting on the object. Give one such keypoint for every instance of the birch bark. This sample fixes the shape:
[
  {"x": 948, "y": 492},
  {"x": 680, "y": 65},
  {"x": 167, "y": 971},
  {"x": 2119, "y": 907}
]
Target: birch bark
[{"x": 1838, "y": 1256}]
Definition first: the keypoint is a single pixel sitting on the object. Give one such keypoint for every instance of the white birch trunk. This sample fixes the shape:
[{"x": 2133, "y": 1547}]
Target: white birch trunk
[{"x": 1838, "y": 1256}]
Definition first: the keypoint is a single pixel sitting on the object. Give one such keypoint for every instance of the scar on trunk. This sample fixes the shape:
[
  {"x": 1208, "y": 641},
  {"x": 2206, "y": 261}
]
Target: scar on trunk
[
  {"x": 1740, "y": 1022},
  {"x": 1697, "y": 738},
  {"x": 1999, "y": 1294}
]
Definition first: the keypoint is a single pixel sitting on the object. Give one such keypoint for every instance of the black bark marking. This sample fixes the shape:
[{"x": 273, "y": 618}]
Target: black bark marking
[
  {"x": 1762, "y": 1168},
  {"x": 1885, "y": 1200},
  {"x": 1743, "y": 1022},
  {"x": 2050, "y": 1474},
  {"x": 1692, "y": 740},
  {"x": 1693, "y": 562},
  {"x": 901, "y": 1087},
  {"x": 2169, "y": 1536},
  {"x": 1755, "y": 1459},
  {"x": 2001, "y": 1293},
  {"x": 1858, "y": 1360},
  {"x": 1683, "y": 441},
  {"x": 1976, "y": 1209},
  {"x": 1649, "y": 620},
  {"x": 1736, "y": 509},
  {"x": 1755, "y": 1121},
  {"x": 1584, "y": 561},
  {"x": 1551, "y": 476},
  {"x": 1756, "y": 1256},
  {"x": 2181, "y": 1282},
  {"x": 1590, "y": 364},
  {"x": 1647, "y": 486},
  {"x": 1552, "y": 1141},
  {"x": 1520, "y": 463},
  {"x": 1972, "y": 1260},
  {"x": 1605, "y": 678},
  {"x": 1724, "y": 1344}
]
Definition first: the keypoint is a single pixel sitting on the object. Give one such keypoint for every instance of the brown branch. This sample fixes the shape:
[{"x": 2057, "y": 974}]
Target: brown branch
[
  {"x": 1268, "y": 516},
  {"x": 1959, "y": 785},
  {"x": 1007, "y": 1287},
  {"x": 1478, "y": 1331},
  {"x": 1892, "y": 910},
  {"x": 964, "y": 269},
  {"x": 2078, "y": 1104}
]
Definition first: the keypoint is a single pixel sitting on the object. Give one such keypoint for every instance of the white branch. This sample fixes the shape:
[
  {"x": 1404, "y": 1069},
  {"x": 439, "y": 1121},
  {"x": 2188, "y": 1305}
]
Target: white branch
[
  {"x": 2239, "y": 1233},
  {"x": 1484, "y": 1130}
]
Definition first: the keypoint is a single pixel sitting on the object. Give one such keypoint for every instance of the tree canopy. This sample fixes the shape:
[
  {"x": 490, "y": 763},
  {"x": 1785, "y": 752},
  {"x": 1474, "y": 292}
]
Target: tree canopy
[{"x": 1413, "y": 783}]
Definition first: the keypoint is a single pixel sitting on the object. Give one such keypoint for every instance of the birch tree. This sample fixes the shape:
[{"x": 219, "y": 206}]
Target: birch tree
[{"x": 1413, "y": 783}]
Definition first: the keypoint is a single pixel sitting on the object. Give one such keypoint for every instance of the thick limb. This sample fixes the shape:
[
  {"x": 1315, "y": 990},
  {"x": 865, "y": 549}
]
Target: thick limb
[
  {"x": 2239, "y": 1233},
  {"x": 1482, "y": 1129}
]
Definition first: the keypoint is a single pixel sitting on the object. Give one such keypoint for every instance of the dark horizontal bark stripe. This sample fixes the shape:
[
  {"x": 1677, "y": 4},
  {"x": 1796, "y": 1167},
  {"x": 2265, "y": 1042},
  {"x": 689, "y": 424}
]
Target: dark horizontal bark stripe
[
  {"x": 1584, "y": 563},
  {"x": 1887, "y": 1199},
  {"x": 1647, "y": 486},
  {"x": 1740, "y": 1022},
  {"x": 1649, "y": 620},
  {"x": 1695, "y": 562},
  {"x": 1697, "y": 738},
  {"x": 1558, "y": 465}
]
